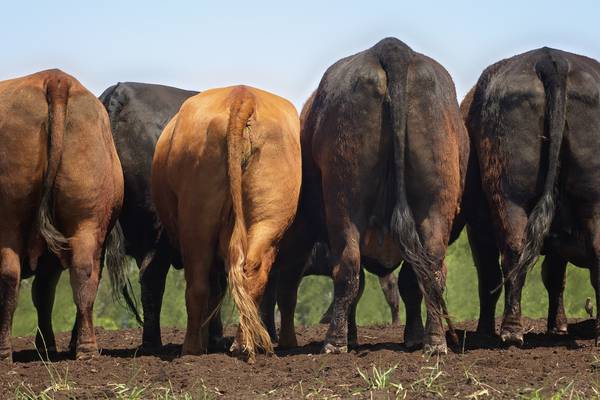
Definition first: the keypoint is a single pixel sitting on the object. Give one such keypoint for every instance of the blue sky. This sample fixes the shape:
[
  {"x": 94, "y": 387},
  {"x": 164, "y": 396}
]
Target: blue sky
[{"x": 280, "y": 46}]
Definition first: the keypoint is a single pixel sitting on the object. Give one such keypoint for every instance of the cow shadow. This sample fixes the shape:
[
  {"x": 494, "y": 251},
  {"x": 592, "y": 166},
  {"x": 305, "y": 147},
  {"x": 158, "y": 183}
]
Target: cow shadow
[{"x": 470, "y": 340}]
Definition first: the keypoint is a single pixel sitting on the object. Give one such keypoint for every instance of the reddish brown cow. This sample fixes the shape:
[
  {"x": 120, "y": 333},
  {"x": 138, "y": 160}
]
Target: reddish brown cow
[
  {"x": 62, "y": 188},
  {"x": 226, "y": 180}
]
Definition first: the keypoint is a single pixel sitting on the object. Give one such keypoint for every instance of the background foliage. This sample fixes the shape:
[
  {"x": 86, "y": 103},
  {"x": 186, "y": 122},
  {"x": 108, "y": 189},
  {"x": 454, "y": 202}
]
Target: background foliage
[{"x": 314, "y": 297}]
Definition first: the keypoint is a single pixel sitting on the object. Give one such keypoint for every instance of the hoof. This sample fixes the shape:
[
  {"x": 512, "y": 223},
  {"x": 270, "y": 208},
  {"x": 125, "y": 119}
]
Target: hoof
[
  {"x": 287, "y": 343},
  {"x": 240, "y": 352},
  {"x": 333, "y": 349},
  {"x": 151, "y": 345},
  {"x": 413, "y": 336},
  {"x": 47, "y": 353},
  {"x": 486, "y": 331},
  {"x": 193, "y": 350},
  {"x": 219, "y": 344},
  {"x": 512, "y": 338},
  {"x": 435, "y": 349},
  {"x": 274, "y": 337},
  {"x": 6, "y": 356},
  {"x": 413, "y": 343},
  {"x": 559, "y": 331},
  {"x": 86, "y": 354}
]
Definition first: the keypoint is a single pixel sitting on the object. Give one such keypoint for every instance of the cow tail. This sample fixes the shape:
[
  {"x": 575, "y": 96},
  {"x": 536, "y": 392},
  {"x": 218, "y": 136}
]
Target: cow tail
[
  {"x": 116, "y": 265},
  {"x": 114, "y": 246},
  {"x": 552, "y": 71},
  {"x": 395, "y": 58},
  {"x": 253, "y": 332},
  {"x": 57, "y": 94}
]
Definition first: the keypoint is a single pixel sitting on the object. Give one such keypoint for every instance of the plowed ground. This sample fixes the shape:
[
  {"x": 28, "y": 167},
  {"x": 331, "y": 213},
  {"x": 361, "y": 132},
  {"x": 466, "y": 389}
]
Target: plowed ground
[{"x": 477, "y": 368}]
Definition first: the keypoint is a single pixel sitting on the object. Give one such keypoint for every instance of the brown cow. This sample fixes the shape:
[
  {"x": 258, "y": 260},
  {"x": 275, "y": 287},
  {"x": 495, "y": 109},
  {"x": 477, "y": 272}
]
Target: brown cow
[
  {"x": 62, "y": 189},
  {"x": 226, "y": 181}
]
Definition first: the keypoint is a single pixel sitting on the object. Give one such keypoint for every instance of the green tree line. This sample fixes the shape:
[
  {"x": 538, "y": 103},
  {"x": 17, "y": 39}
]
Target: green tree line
[{"x": 315, "y": 294}]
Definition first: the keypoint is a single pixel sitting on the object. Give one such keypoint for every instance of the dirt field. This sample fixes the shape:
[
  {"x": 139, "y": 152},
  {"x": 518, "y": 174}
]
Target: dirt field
[{"x": 567, "y": 367}]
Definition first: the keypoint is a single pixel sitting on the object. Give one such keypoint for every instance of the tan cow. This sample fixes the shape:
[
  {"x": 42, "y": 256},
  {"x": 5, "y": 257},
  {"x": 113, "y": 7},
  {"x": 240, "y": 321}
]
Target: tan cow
[
  {"x": 226, "y": 179},
  {"x": 61, "y": 190}
]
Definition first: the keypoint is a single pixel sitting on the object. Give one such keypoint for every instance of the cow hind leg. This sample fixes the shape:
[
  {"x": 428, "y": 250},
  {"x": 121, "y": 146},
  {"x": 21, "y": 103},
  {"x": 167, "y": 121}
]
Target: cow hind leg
[
  {"x": 85, "y": 276},
  {"x": 389, "y": 286},
  {"x": 553, "y": 276},
  {"x": 10, "y": 274},
  {"x": 345, "y": 256},
  {"x": 197, "y": 299},
  {"x": 267, "y": 305},
  {"x": 287, "y": 297},
  {"x": 411, "y": 295},
  {"x": 42, "y": 293},
  {"x": 489, "y": 275},
  {"x": 512, "y": 329},
  {"x": 352, "y": 328},
  {"x": 592, "y": 224},
  {"x": 152, "y": 283},
  {"x": 218, "y": 288}
]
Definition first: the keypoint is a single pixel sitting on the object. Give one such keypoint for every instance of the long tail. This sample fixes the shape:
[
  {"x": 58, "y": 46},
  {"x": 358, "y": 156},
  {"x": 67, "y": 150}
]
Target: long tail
[
  {"x": 116, "y": 265},
  {"x": 395, "y": 58},
  {"x": 552, "y": 71},
  {"x": 57, "y": 94},
  {"x": 253, "y": 332}
]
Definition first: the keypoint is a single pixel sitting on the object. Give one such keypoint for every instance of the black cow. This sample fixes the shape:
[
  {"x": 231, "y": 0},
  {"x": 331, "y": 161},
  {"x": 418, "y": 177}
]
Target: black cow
[
  {"x": 534, "y": 121},
  {"x": 384, "y": 153}
]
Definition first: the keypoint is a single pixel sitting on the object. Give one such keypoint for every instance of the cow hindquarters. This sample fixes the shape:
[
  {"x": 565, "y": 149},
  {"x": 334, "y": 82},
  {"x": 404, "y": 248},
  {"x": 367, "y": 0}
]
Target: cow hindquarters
[{"x": 10, "y": 274}]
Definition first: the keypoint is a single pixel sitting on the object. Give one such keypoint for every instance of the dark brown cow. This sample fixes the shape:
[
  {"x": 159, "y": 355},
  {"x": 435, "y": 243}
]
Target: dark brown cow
[
  {"x": 534, "y": 120},
  {"x": 62, "y": 188},
  {"x": 382, "y": 178},
  {"x": 226, "y": 181}
]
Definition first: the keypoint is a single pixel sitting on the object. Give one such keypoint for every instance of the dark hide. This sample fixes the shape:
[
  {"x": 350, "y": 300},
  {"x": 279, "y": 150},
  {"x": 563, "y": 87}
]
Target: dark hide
[
  {"x": 384, "y": 155},
  {"x": 533, "y": 121}
]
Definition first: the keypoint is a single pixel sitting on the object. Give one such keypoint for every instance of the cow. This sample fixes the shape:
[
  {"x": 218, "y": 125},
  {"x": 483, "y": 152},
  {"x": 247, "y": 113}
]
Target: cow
[
  {"x": 138, "y": 113},
  {"x": 384, "y": 155},
  {"x": 226, "y": 180},
  {"x": 62, "y": 189},
  {"x": 532, "y": 120}
]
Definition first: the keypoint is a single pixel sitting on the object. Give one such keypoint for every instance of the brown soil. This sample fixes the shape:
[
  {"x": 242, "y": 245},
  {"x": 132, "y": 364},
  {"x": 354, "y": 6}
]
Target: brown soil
[{"x": 481, "y": 368}]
